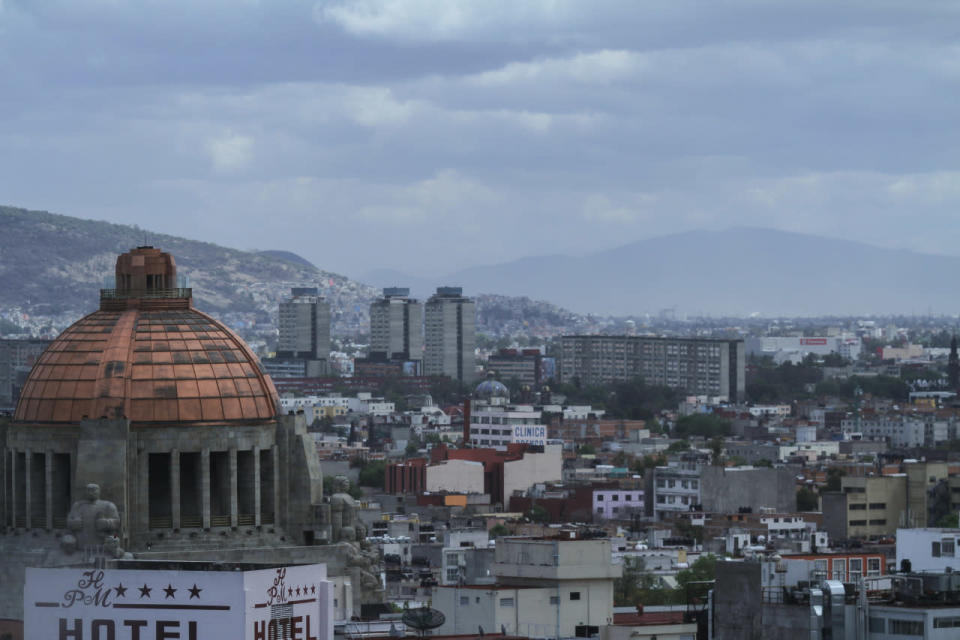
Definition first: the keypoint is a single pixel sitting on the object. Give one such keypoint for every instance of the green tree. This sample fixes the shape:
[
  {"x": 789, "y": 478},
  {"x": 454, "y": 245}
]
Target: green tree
[
  {"x": 949, "y": 521},
  {"x": 834, "y": 475},
  {"x": 586, "y": 450},
  {"x": 716, "y": 451},
  {"x": 702, "y": 424},
  {"x": 414, "y": 444},
  {"x": 538, "y": 514},
  {"x": 498, "y": 531},
  {"x": 372, "y": 474},
  {"x": 807, "y": 499},
  {"x": 679, "y": 445}
]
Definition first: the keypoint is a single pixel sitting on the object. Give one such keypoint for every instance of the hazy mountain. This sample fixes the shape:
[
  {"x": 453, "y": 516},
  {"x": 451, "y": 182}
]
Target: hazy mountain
[
  {"x": 288, "y": 256},
  {"x": 53, "y": 264},
  {"x": 419, "y": 287},
  {"x": 735, "y": 272}
]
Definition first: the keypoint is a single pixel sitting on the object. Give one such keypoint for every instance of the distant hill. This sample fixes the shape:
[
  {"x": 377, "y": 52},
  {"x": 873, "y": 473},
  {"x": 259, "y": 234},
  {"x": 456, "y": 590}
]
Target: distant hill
[
  {"x": 733, "y": 272},
  {"x": 54, "y": 264},
  {"x": 287, "y": 256}
]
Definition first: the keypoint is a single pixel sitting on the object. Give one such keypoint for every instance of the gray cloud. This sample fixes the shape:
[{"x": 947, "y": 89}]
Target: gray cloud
[{"x": 429, "y": 135}]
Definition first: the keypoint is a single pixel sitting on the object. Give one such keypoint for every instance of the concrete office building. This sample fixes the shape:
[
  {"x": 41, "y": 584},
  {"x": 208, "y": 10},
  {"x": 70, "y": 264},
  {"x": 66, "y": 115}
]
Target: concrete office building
[
  {"x": 672, "y": 489},
  {"x": 523, "y": 365},
  {"x": 305, "y": 331},
  {"x": 396, "y": 329},
  {"x": 545, "y": 588},
  {"x": 729, "y": 489},
  {"x": 450, "y": 335},
  {"x": 865, "y": 507},
  {"x": 697, "y": 366}
]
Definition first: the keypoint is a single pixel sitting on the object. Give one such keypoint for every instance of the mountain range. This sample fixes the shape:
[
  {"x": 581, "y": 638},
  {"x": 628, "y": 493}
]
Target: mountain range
[
  {"x": 54, "y": 264},
  {"x": 735, "y": 272}
]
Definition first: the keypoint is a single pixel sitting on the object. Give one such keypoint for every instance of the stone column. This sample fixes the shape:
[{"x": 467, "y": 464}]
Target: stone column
[
  {"x": 27, "y": 503},
  {"x": 48, "y": 499},
  {"x": 234, "y": 506},
  {"x": 276, "y": 485},
  {"x": 205, "y": 486},
  {"x": 256, "y": 486},
  {"x": 175, "y": 489}
]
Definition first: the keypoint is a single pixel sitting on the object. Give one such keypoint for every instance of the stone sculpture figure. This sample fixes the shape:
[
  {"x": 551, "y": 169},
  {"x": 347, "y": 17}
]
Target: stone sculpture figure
[
  {"x": 345, "y": 524},
  {"x": 93, "y": 520}
]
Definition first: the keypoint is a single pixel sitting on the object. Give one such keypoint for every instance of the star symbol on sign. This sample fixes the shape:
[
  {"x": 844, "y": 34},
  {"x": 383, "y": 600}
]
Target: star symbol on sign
[
  {"x": 145, "y": 591},
  {"x": 289, "y": 591},
  {"x": 298, "y": 590},
  {"x": 195, "y": 591},
  {"x": 169, "y": 591},
  {"x": 120, "y": 590},
  {"x": 313, "y": 589}
]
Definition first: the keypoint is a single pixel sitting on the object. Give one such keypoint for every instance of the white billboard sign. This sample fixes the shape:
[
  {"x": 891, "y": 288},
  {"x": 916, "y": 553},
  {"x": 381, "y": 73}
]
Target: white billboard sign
[{"x": 292, "y": 603}]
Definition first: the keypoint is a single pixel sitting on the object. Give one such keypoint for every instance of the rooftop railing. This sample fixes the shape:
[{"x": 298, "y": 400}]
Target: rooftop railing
[{"x": 126, "y": 294}]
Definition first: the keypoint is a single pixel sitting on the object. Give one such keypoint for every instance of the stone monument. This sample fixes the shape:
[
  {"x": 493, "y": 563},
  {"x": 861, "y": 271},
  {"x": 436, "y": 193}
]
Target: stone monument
[{"x": 94, "y": 524}]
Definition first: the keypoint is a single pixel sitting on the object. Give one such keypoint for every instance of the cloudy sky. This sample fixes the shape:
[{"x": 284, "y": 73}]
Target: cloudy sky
[{"x": 429, "y": 135}]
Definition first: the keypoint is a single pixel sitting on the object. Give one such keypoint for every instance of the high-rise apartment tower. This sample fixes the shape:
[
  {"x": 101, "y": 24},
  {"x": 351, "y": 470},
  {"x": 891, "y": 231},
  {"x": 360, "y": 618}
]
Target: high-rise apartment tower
[
  {"x": 396, "y": 326},
  {"x": 450, "y": 335},
  {"x": 305, "y": 330}
]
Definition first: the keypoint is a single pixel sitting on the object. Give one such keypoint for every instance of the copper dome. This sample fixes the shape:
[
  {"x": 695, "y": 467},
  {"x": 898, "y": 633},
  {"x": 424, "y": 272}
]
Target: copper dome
[{"x": 147, "y": 355}]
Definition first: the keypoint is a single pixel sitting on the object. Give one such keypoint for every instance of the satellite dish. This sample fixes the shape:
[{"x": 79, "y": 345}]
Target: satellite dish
[{"x": 423, "y": 619}]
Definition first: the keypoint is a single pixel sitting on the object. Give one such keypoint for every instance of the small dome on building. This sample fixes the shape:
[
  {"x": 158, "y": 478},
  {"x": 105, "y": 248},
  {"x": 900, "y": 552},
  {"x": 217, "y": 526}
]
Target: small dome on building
[{"x": 490, "y": 389}]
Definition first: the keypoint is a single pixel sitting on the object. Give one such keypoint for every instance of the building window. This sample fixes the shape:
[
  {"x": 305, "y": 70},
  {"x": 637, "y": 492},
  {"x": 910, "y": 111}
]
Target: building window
[
  {"x": 615, "y": 498},
  {"x": 877, "y": 625},
  {"x": 506, "y": 602},
  {"x": 600, "y": 498},
  {"x": 464, "y": 601},
  {"x": 879, "y": 522},
  {"x": 820, "y": 566},
  {"x": 574, "y": 595},
  {"x": 947, "y": 547},
  {"x": 949, "y": 622},
  {"x": 627, "y": 497},
  {"x": 873, "y": 567},
  {"x": 856, "y": 567},
  {"x": 840, "y": 569},
  {"x": 599, "y": 509},
  {"x": 906, "y": 628},
  {"x": 935, "y": 549},
  {"x": 554, "y": 599},
  {"x": 878, "y": 505}
]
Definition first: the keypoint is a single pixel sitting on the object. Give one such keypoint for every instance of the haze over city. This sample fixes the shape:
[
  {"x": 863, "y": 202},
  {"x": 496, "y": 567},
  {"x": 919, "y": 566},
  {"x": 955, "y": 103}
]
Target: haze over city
[
  {"x": 479, "y": 319},
  {"x": 429, "y": 136}
]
